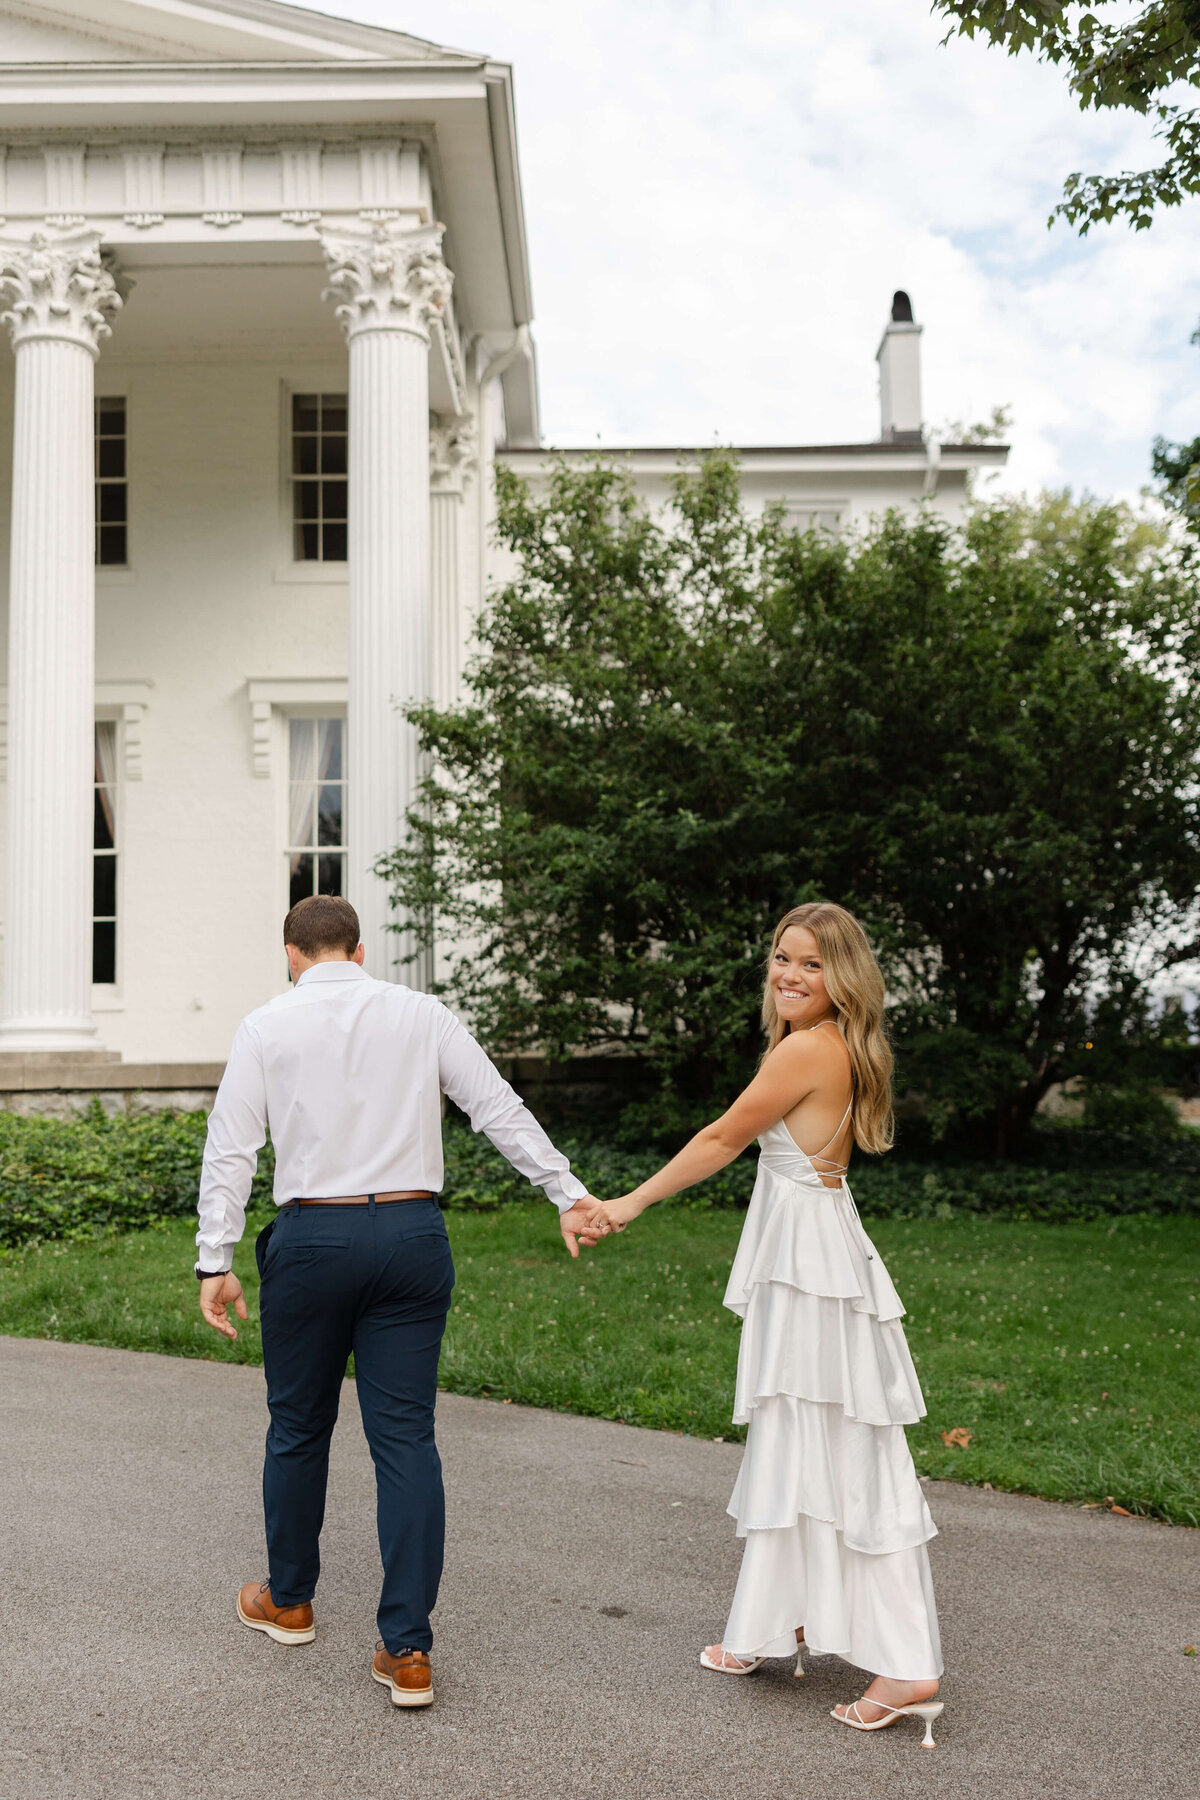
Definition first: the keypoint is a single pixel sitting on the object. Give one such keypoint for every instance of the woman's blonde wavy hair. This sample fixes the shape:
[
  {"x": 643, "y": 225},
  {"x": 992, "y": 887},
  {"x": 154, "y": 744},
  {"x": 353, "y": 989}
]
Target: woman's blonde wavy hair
[{"x": 855, "y": 986}]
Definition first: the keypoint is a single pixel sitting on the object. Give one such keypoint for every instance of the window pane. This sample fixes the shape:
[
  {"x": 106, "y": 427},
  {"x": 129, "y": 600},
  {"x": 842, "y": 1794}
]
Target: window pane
[
  {"x": 110, "y": 456},
  {"x": 102, "y": 834},
  {"x": 104, "y": 887},
  {"x": 331, "y": 875},
  {"x": 104, "y": 951},
  {"x": 305, "y": 412},
  {"x": 110, "y": 502},
  {"x": 307, "y": 501},
  {"x": 110, "y": 416},
  {"x": 333, "y": 503},
  {"x": 329, "y": 815},
  {"x": 302, "y": 879},
  {"x": 334, "y": 543},
  {"x": 308, "y": 543},
  {"x": 111, "y": 539},
  {"x": 333, "y": 412},
  {"x": 329, "y": 749},
  {"x": 302, "y": 815},
  {"x": 333, "y": 455},
  {"x": 305, "y": 454}
]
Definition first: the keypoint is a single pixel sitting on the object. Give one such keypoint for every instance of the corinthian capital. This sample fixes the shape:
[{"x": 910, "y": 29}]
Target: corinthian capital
[
  {"x": 55, "y": 285},
  {"x": 453, "y": 446},
  {"x": 385, "y": 279}
]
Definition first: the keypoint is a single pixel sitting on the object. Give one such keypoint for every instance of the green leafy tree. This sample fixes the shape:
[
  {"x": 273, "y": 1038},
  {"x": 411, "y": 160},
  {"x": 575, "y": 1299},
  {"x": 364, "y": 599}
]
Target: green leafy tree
[
  {"x": 1113, "y": 56},
  {"x": 984, "y": 741}
]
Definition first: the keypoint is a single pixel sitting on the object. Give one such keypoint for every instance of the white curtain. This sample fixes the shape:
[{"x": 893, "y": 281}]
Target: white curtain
[
  {"x": 303, "y": 792},
  {"x": 106, "y": 772}
]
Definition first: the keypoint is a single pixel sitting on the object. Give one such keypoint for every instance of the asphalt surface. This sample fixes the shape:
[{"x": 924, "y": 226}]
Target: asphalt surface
[{"x": 587, "y": 1564}]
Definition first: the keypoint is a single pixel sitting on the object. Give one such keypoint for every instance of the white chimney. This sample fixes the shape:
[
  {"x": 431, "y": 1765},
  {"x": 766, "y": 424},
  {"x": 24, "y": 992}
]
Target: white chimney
[{"x": 899, "y": 359}]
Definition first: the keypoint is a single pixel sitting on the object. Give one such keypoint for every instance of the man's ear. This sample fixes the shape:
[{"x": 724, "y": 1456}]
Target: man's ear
[{"x": 359, "y": 954}]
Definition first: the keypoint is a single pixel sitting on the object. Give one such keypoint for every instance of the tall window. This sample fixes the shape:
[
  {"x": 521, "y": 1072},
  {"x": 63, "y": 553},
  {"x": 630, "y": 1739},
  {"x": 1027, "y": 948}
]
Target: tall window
[
  {"x": 112, "y": 488},
  {"x": 319, "y": 494},
  {"x": 316, "y": 807},
  {"x": 104, "y": 857}
]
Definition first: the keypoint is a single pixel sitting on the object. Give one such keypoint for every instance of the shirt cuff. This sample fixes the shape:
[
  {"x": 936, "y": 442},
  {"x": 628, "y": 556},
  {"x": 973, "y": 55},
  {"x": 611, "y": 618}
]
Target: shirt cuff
[
  {"x": 215, "y": 1263},
  {"x": 565, "y": 1190}
]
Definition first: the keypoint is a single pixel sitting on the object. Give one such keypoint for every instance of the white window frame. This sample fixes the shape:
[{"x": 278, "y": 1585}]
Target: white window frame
[
  {"x": 813, "y": 512},
  {"x": 328, "y": 379},
  {"x": 106, "y": 993},
  {"x": 108, "y": 570},
  {"x": 310, "y": 715},
  {"x": 273, "y": 702}
]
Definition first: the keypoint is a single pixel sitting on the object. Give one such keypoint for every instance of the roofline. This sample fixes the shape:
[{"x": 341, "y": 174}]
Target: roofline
[
  {"x": 502, "y": 124},
  {"x": 918, "y": 453}
]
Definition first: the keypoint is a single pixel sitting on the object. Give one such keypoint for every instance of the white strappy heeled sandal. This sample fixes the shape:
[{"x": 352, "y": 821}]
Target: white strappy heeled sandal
[
  {"x": 929, "y": 1710},
  {"x": 746, "y": 1665},
  {"x": 730, "y": 1664}
]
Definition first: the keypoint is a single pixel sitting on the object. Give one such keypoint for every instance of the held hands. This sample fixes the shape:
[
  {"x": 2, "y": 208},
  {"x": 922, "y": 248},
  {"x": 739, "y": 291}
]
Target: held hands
[
  {"x": 590, "y": 1219},
  {"x": 613, "y": 1216},
  {"x": 218, "y": 1293}
]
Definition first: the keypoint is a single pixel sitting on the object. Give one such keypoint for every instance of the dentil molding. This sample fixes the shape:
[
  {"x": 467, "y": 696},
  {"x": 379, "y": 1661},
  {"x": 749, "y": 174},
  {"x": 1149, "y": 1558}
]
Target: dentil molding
[
  {"x": 387, "y": 279},
  {"x": 56, "y": 286}
]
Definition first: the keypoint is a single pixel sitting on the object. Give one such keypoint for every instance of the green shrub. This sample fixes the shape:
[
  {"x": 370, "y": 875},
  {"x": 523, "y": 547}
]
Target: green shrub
[{"x": 70, "y": 1179}]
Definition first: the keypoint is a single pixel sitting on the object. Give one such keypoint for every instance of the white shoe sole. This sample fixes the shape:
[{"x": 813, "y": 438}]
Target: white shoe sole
[
  {"x": 278, "y": 1633},
  {"x": 404, "y": 1696}
]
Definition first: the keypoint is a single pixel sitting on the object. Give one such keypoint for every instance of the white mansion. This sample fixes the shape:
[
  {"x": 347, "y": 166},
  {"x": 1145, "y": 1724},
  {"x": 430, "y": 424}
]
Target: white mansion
[{"x": 265, "y": 278}]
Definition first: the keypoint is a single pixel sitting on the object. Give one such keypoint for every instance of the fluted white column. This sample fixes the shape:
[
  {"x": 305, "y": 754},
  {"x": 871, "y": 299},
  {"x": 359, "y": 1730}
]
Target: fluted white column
[
  {"x": 388, "y": 284},
  {"x": 452, "y": 453},
  {"x": 58, "y": 298}
]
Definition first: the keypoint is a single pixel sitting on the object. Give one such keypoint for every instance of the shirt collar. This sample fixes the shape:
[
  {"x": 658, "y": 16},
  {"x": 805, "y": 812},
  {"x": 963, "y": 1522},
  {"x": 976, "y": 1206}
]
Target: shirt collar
[{"x": 333, "y": 971}]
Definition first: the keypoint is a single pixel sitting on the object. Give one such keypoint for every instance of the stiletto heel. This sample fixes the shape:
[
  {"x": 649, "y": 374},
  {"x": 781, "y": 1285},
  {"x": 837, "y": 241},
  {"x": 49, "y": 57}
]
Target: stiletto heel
[
  {"x": 929, "y": 1710},
  {"x": 933, "y": 1710}
]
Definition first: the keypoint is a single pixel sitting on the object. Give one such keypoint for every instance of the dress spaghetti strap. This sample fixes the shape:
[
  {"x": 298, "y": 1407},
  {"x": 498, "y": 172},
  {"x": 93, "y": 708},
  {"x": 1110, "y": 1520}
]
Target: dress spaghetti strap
[{"x": 835, "y": 1168}]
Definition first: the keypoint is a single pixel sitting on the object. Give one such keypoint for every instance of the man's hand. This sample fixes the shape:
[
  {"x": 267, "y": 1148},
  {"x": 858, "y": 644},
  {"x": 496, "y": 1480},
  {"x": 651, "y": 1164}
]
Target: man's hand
[
  {"x": 576, "y": 1220},
  {"x": 217, "y": 1293},
  {"x": 613, "y": 1215}
]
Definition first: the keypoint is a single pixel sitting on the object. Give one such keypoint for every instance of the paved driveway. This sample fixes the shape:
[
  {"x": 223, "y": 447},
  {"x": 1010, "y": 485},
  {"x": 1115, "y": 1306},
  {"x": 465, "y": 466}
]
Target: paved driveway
[{"x": 587, "y": 1564}]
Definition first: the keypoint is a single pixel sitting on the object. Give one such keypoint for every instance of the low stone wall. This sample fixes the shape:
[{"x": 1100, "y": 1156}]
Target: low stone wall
[
  {"x": 61, "y": 1103},
  {"x": 48, "y": 1086}
]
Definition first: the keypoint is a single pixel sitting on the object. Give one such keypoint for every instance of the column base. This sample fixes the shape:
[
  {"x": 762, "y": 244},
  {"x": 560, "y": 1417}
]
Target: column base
[{"x": 57, "y": 1036}]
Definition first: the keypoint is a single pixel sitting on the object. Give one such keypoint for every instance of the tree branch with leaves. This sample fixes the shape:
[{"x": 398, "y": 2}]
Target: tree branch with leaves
[{"x": 1109, "y": 61}]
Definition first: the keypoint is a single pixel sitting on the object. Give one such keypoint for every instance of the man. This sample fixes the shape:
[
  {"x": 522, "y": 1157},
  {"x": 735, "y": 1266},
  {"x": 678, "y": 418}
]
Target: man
[{"x": 348, "y": 1073}]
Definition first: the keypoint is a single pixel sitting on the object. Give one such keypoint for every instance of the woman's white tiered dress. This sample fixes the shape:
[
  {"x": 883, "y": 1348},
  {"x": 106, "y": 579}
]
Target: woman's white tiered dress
[{"x": 827, "y": 1498}]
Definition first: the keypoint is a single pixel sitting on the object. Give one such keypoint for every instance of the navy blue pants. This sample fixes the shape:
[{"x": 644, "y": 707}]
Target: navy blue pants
[{"x": 375, "y": 1280}]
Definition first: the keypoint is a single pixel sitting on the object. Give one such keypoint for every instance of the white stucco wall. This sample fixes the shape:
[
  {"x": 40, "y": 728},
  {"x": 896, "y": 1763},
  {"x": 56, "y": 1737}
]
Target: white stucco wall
[{"x": 210, "y": 601}]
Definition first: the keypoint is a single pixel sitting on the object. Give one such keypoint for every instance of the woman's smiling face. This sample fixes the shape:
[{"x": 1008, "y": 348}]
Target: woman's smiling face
[{"x": 797, "y": 979}]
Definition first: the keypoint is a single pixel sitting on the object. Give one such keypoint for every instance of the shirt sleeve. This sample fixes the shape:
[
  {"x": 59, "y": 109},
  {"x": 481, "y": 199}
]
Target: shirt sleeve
[
  {"x": 474, "y": 1082},
  {"x": 237, "y": 1131}
]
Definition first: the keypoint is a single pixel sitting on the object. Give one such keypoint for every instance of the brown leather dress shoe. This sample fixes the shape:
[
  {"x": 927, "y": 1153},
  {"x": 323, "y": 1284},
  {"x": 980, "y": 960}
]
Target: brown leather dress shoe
[
  {"x": 408, "y": 1674},
  {"x": 286, "y": 1624}
]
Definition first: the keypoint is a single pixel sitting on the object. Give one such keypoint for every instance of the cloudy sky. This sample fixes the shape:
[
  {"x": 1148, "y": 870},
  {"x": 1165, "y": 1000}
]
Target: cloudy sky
[{"x": 722, "y": 195}]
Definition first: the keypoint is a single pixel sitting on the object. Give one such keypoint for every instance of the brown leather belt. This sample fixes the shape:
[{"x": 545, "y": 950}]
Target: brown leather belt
[{"x": 364, "y": 1199}]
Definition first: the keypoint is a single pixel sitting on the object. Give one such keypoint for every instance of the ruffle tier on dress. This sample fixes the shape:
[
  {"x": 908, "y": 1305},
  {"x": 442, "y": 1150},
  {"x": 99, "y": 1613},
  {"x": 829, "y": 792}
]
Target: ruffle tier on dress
[{"x": 827, "y": 1497}]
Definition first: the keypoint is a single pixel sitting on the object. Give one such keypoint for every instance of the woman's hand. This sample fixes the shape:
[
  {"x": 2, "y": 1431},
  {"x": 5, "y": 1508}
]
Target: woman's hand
[{"x": 614, "y": 1215}]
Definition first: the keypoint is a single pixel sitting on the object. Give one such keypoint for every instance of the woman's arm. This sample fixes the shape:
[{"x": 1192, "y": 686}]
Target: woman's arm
[{"x": 786, "y": 1076}]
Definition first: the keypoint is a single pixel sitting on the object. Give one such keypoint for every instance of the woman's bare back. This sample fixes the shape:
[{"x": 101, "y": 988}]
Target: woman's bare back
[{"x": 824, "y": 1117}]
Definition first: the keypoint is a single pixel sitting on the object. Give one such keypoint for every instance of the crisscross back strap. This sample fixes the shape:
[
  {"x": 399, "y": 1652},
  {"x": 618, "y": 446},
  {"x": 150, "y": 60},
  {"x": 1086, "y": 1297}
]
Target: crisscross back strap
[{"x": 835, "y": 1168}]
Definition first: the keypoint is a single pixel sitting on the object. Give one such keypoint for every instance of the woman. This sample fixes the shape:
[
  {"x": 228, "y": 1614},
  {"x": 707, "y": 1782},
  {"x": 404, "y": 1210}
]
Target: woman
[{"x": 827, "y": 1498}]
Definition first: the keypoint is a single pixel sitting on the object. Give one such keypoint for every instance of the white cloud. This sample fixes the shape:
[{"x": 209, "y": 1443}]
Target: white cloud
[{"x": 722, "y": 195}]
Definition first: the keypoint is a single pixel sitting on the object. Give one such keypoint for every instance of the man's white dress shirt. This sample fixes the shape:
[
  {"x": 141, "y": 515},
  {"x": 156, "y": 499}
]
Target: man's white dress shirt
[{"x": 348, "y": 1074}]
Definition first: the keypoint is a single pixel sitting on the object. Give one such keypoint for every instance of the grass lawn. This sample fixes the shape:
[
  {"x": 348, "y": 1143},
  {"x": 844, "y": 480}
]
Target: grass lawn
[{"x": 1069, "y": 1353}]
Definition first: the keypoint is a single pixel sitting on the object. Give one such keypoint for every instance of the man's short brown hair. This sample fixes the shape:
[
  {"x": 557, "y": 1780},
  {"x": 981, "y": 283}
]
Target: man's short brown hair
[{"x": 322, "y": 922}]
